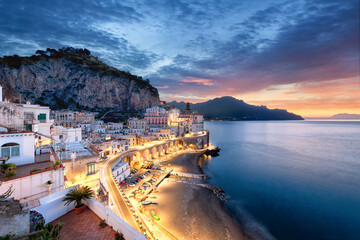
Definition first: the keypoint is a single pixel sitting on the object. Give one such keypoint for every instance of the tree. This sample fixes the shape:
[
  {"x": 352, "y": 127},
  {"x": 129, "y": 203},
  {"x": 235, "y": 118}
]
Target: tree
[
  {"x": 7, "y": 193},
  {"x": 78, "y": 194},
  {"x": 48, "y": 232}
]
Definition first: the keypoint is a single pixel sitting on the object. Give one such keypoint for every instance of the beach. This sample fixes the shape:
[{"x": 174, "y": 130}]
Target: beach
[{"x": 189, "y": 211}]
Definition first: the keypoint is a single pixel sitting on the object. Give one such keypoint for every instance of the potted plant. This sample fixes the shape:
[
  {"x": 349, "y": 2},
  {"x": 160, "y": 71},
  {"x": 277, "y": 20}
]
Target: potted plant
[
  {"x": 11, "y": 166},
  {"x": 57, "y": 163},
  {"x": 102, "y": 223},
  {"x": 76, "y": 195},
  {"x": 10, "y": 174},
  {"x": 35, "y": 170},
  {"x": 119, "y": 236},
  {"x": 98, "y": 193},
  {"x": 49, "y": 184}
]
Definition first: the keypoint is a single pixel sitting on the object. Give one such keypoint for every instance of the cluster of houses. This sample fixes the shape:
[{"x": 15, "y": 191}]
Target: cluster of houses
[{"x": 44, "y": 151}]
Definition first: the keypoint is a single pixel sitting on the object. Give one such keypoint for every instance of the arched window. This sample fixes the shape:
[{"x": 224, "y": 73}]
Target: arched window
[{"x": 10, "y": 150}]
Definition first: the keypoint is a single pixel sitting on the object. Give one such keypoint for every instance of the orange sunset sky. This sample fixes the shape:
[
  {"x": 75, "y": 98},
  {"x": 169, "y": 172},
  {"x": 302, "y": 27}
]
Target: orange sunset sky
[{"x": 299, "y": 55}]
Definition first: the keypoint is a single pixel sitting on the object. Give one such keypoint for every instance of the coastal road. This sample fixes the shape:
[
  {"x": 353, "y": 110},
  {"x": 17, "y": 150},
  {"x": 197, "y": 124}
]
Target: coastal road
[
  {"x": 110, "y": 185},
  {"x": 106, "y": 178}
]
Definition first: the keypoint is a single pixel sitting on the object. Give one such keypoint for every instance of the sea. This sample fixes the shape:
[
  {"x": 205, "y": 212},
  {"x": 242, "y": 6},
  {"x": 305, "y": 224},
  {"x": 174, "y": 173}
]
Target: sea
[{"x": 289, "y": 180}]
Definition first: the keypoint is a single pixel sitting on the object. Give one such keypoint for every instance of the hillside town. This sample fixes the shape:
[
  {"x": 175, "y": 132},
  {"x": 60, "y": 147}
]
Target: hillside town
[{"x": 47, "y": 153}]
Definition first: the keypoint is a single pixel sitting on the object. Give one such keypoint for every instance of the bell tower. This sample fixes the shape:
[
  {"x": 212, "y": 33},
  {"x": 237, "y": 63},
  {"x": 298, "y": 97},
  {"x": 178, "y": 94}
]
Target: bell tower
[{"x": 187, "y": 110}]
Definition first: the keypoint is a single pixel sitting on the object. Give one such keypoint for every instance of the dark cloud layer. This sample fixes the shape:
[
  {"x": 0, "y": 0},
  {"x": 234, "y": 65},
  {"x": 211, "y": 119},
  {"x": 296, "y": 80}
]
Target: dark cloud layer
[{"x": 232, "y": 46}]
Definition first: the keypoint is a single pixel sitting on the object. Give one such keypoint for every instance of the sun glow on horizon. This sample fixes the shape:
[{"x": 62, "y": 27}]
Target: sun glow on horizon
[{"x": 308, "y": 99}]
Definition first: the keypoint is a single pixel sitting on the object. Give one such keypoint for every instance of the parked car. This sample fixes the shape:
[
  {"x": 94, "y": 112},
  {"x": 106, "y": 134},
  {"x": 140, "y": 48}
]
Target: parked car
[{"x": 132, "y": 184}]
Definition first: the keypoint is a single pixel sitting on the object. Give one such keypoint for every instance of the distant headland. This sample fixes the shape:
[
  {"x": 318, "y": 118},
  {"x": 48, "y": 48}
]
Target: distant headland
[{"x": 230, "y": 108}]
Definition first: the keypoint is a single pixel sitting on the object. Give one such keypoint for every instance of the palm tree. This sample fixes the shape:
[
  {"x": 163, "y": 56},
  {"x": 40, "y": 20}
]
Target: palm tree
[{"x": 78, "y": 194}]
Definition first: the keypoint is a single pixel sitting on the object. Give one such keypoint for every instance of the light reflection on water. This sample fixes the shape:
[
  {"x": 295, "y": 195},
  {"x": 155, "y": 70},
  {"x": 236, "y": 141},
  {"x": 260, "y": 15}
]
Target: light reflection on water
[{"x": 300, "y": 179}]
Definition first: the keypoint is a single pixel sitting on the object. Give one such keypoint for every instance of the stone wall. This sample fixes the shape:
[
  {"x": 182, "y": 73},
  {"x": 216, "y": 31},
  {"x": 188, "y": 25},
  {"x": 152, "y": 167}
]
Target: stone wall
[
  {"x": 11, "y": 115},
  {"x": 14, "y": 218}
]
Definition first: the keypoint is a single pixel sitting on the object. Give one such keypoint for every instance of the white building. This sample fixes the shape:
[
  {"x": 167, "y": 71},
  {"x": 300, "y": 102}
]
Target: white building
[
  {"x": 197, "y": 124},
  {"x": 18, "y": 145},
  {"x": 137, "y": 125},
  {"x": 120, "y": 145},
  {"x": 98, "y": 127},
  {"x": 61, "y": 134},
  {"x": 163, "y": 133},
  {"x": 27, "y": 116},
  {"x": 121, "y": 171},
  {"x": 174, "y": 113},
  {"x": 114, "y": 126},
  {"x": 131, "y": 138},
  {"x": 156, "y": 110},
  {"x": 37, "y": 118}
]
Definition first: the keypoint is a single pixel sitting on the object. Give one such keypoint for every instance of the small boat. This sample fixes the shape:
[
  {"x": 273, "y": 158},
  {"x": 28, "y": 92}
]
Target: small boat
[
  {"x": 146, "y": 203},
  {"x": 144, "y": 198},
  {"x": 155, "y": 216}
]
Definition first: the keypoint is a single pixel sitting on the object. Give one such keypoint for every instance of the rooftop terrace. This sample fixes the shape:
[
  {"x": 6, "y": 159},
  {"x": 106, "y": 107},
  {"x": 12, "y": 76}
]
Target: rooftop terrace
[
  {"x": 83, "y": 226},
  {"x": 42, "y": 162}
]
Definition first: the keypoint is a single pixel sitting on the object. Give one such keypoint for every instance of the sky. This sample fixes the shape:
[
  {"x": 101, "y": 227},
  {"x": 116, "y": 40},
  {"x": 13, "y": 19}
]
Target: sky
[{"x": 299, "y": 55}]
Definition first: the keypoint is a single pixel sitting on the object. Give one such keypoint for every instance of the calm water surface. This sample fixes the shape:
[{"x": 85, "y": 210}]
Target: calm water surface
[{"x": 290, "y": 179}]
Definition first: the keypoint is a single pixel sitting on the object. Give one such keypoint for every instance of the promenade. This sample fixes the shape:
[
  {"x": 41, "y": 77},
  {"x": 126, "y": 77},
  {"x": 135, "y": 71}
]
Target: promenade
[{"x": 128, "y": 209}]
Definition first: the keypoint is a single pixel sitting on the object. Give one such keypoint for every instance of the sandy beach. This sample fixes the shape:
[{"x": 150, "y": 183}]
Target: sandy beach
[{"x": 188, "y": 211}]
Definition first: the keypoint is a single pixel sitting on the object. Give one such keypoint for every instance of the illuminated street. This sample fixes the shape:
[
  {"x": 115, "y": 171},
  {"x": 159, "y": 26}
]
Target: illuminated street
[{"x": 127, "y": 203}]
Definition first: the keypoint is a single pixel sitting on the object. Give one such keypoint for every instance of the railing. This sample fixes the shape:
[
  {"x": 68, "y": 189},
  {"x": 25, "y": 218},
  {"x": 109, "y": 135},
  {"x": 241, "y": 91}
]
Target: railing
[
  {"x": 114, "y": 221},
  {"x": 54, "y": 154},
  {"x": 94, "y": 148}
]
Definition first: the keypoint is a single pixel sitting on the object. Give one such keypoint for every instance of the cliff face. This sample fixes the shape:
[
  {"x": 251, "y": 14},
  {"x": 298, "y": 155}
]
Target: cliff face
[{"x": 72, "y": 78}]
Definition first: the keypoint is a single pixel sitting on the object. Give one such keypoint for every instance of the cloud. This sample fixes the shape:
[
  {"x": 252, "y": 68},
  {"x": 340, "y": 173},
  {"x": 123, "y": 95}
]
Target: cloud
[
  {"x": 162, "y": 87},
  {"x": 312, "y": 99},
  {"x": 197, "y": 49},
  {"x": 29, "y": 25},
  {"x": 202, "y": 82}
]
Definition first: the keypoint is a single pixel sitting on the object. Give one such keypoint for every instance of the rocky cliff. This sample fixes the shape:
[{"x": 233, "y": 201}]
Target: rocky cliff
[{"x": 72, "y": 78}]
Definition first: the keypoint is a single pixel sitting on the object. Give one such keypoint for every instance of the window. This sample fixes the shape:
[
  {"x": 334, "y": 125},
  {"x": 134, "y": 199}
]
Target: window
[
  {"x": 90, "y": 169},
  {"x": 10, "y": 150},
  {"x": 15, "y": 151},
  {"x": 28, "y": 127},
  {"x": 5, "y": 152},
  {"x": 42, "y": 116}
]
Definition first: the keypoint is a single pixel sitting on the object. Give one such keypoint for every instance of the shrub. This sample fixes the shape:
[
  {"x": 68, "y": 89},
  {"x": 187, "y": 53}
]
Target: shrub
[
  {"x": 10, "y": 174},
  {"x": 102, "y": 223},
  {"x": 35, "y": 170}
]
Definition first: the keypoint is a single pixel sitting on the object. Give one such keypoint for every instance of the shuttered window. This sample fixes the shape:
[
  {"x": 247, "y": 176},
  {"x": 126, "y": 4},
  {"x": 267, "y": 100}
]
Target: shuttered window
[{"x": 42, "y": 116}]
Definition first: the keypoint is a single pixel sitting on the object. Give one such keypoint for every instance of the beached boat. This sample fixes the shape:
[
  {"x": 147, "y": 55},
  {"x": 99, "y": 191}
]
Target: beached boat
[
  {"x": 144, "y": 198},
  {"x": 155, "y": 216},
  {"x": 146, "y": 202}
]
